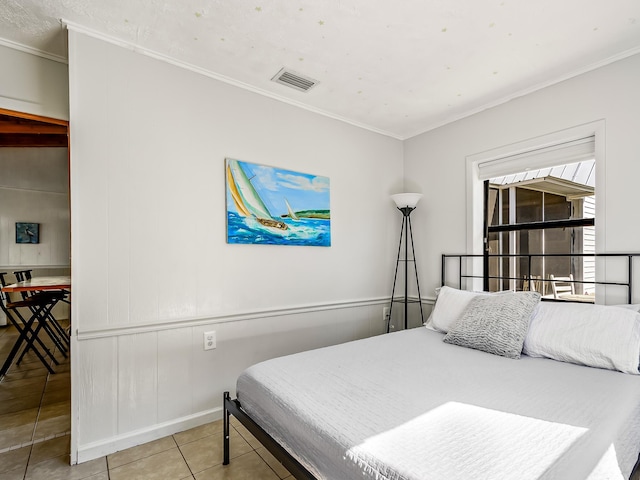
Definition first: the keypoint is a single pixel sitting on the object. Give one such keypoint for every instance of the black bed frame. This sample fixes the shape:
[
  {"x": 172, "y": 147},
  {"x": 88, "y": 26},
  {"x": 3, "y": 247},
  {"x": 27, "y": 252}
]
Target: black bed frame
[
  {"x": 233, "y": 407},
  {"x": 626, "y": 281}
]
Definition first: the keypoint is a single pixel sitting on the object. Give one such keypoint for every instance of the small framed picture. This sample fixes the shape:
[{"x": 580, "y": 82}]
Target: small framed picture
[{"x": 27, "y": 232}]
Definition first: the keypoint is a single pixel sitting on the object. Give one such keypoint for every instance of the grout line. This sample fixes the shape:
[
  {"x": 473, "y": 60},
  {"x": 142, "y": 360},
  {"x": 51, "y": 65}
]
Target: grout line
[
  {"x": 106, "y": 461},
  {"x": 182, "y": 455}
]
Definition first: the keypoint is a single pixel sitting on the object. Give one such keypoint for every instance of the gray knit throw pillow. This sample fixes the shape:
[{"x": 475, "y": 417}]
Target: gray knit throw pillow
[{"x": 495, "y": 324}]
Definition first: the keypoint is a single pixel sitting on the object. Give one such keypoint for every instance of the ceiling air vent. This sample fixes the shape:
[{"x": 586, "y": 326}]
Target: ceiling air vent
[{"x": 294, "y": 80}]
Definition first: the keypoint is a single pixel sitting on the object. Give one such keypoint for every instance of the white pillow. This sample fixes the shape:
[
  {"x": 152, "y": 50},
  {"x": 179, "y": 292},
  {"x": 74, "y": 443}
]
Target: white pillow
[
  {"x": 594, "y": 335},
  {"x": 450, "y": 304}
]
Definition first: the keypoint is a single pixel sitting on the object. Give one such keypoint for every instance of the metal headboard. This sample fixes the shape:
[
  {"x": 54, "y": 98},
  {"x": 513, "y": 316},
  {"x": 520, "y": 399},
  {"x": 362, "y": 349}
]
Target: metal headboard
[{"x": 462, "y": 273}]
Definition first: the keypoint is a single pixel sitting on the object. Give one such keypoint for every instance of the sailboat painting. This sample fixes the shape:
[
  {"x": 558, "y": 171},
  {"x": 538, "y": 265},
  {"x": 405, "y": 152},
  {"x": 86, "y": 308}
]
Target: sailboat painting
[{"x": 269, "y": 205}]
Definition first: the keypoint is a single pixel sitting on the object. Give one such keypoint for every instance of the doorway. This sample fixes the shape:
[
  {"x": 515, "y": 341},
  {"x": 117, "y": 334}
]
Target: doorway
[{"x": 34, "y": 190}]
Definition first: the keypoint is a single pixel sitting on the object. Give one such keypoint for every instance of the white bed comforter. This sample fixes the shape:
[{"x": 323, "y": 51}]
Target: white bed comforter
[{"x": 408, "y": 406}]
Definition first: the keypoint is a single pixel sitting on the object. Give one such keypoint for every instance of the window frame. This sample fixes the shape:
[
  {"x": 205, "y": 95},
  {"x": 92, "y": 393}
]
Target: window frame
[{"x": 510, "y": 146}]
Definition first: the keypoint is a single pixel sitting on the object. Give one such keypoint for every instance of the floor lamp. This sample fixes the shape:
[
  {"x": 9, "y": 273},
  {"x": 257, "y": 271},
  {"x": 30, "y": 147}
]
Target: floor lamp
[{"x": 406, "y": 203}]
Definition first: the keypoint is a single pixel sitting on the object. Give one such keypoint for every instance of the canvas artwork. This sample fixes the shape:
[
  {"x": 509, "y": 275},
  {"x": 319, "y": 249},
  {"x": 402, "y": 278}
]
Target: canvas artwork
[
  {"x": 27, "y": 232},
  {"x": 269, "y": 205}
]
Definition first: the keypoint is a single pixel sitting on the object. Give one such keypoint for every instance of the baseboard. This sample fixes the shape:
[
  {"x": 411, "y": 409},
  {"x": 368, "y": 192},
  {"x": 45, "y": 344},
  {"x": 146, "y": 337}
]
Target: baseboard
[{"x": 111, "y": 445}]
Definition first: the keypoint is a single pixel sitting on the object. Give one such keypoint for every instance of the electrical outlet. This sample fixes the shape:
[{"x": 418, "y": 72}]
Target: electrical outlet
[
  {"x": 209, "y": 340},
  {"x": 385, "y": 313}
]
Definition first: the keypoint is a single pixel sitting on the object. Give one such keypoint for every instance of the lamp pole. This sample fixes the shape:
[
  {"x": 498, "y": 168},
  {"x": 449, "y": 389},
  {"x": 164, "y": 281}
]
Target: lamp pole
[
  {"x": 406, "y": 203},
  {"x": 406, "y": 220}
]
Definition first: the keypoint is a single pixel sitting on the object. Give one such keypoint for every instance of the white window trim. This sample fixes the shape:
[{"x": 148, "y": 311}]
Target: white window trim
[{"x": 475, "y": 200}]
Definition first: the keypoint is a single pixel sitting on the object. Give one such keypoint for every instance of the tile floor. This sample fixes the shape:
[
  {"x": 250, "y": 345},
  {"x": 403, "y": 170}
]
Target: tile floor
[{"x": 34, "y": 438}]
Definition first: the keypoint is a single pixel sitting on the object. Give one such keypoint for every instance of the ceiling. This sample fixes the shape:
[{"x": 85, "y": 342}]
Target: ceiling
[{"x": 399, "y": 68}]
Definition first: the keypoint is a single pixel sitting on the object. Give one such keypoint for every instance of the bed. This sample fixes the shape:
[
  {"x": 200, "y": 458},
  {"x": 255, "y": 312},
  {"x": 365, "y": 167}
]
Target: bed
[{"x": 422, "y": 404}]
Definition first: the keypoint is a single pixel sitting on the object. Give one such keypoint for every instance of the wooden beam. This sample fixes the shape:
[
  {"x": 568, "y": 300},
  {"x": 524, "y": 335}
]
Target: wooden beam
[
  {"x": 33, "y": 140},
  {"x": 37, "y": 118},
  {"x": 19, "y": 129},
  {"x": 30, "y": 128}
]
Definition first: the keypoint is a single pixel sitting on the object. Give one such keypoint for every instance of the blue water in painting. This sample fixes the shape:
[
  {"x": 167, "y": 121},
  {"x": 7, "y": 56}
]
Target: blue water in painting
[{"x": 305, "y": 231}]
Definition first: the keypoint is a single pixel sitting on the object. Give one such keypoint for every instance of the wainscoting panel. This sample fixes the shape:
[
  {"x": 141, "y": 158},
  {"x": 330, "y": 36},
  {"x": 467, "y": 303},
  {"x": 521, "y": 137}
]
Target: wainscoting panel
[
  {"x": 137, "y": 381},
  {"x": 176, "y": 351},
  {"x": 98, "y": 399},
  {"x": 162, "y": 381}
]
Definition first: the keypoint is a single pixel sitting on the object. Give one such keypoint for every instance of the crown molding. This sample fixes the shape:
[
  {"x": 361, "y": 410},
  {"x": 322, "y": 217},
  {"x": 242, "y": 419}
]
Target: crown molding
[
  {"x": 222, "y": 78},
  {"x": 33, "y": 51},
  {"x": 216, "y": 76},
  {"x": 521, "y": 93}
]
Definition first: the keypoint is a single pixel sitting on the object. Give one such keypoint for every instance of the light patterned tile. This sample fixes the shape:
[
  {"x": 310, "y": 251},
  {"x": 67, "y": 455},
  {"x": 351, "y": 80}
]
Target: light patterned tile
[
  {"x": 141, "y": 451},
  {"x": 273, "y": 462},
  {"x": 58, "y": 382},
  {"x": 16, "y": 419},
  {"x": 13, "y": 474},
  {"x": 246, "y": 434},
  {"x": 53, "y": 426},
  {"x": 13, "y": 375},
  {"x": 30, "y": 362},
  {"x": 167, "y": 465},
  {"x": 16, "y": 436},
  {"x": 14, "y": 459},
  {"x": 56, "y": 396},
  {"x": 21, "y": 388},
  {"x": 207, "y": 452},
  {"x": 54, "y": 410},
  {"x": 17, "y": 404},
  {"x": 213, "y": 428},
  {"x": 98, "y": 476},
  {"x": 50, "y": 449},
  {"x": 63, "y": 367},
  {"x": 58, "y": 468},
  {"x": 246, "y": 467}
]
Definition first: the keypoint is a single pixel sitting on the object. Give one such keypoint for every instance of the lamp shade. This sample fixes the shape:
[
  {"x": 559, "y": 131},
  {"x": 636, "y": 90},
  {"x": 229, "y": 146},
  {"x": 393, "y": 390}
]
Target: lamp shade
[{"x": 406, "y": 199}]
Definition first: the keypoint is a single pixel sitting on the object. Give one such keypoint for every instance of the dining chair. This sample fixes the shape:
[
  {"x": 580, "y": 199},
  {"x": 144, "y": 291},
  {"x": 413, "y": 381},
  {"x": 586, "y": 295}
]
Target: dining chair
[
  {"x": 28, "y": 330},
  {"x": 63, "y": 341},
  {"x": 562, "y": 285}
]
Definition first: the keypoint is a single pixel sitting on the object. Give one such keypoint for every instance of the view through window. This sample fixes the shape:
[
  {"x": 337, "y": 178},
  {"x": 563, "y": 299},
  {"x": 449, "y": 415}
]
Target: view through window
[{"x": 534, "y": 221}]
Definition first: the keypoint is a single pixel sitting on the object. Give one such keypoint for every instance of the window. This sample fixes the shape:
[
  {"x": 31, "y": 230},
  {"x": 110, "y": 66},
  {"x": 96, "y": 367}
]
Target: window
[{"x": 533, "y": 220}]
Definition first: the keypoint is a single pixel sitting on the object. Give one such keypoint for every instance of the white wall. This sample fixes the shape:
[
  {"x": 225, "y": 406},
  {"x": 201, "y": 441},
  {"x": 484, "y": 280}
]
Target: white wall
[
  {"x": 34, "y": 188},
  {"x": 33, "y": 84},
  {"x": 435, "y": 162},
  {"x": 151, "y": 268}
]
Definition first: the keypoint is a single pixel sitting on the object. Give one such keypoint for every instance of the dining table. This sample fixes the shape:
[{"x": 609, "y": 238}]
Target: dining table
[
  {"x": 34, "y": 284},
  {"x": 28, "y": 330}
]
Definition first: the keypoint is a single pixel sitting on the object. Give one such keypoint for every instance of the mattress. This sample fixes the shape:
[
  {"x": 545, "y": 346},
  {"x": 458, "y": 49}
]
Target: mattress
[{"x": 408, "y": 406}]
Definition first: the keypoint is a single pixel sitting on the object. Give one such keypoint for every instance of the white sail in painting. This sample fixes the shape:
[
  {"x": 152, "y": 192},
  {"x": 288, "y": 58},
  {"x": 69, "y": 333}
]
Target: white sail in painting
[
  {"x": 292, "y": 214},
  {"x": 247, "y": 200}
]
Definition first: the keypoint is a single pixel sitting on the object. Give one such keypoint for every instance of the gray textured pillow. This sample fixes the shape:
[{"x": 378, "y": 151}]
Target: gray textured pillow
[{"x": 495, "y": 323}]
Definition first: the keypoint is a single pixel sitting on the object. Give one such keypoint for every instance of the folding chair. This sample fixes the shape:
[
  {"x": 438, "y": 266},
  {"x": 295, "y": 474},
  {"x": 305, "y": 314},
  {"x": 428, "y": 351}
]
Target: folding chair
[
  {"x": 53, "y": 328},
  {"x": 28, "y": 330}
]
